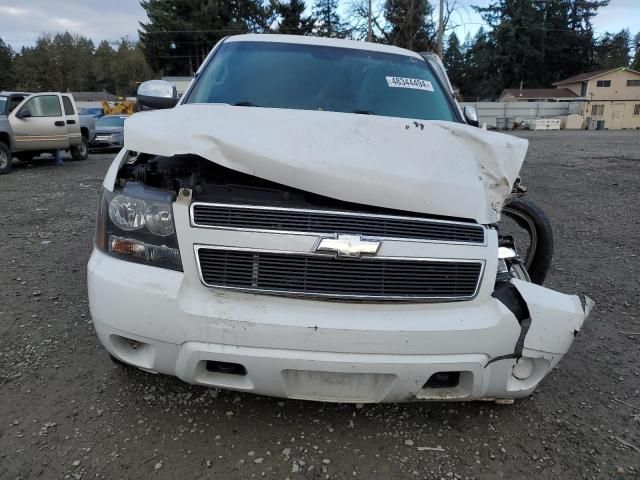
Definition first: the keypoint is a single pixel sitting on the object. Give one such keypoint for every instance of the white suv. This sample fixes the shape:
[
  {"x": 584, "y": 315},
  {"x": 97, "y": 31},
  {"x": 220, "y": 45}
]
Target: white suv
[{"x": 314, "y": 219}]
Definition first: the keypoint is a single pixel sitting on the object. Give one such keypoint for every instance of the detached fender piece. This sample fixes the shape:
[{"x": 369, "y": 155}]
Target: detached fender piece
[
  {"x": 556, "y": 319},
  {"x": 546, "y": 335}
]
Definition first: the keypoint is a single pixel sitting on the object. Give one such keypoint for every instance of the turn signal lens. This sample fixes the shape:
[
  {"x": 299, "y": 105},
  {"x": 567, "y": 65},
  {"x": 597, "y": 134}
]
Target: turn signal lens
[{"x": 138, "y": 251}]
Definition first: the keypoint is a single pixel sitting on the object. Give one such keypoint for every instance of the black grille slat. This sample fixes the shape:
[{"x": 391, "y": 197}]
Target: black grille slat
[
  {"x": 323, "y": 275},
  {"x": 318, "y": 221}
]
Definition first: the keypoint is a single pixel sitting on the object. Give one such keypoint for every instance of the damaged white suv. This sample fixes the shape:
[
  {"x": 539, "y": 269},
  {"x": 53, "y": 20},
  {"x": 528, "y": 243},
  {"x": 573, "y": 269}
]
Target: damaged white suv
[{"x": 315, "y": 220}]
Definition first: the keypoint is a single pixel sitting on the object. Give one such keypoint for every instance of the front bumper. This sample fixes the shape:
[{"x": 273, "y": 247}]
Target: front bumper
[
  {"x": 160, "y": 321},
  {"x": 101, "y": 142}
]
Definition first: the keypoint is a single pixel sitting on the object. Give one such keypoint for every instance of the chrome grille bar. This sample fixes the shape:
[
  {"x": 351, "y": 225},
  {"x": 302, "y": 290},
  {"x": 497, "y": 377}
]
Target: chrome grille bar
[
  {"x": 325, "y": 276},
  {"x": 329, "y": 222}
]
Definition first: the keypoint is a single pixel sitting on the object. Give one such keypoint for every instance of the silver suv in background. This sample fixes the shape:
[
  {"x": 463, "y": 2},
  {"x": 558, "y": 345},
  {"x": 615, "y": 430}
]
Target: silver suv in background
[{"x": 43, "y": 123}]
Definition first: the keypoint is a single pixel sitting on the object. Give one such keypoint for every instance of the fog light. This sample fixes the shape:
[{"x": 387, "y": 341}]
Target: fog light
[{"x": 523, "y": 368}]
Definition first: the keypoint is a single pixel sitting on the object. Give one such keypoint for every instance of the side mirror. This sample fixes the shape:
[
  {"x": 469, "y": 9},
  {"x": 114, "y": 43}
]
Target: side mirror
[
  {"x": 157, "y": 94},
  {"x": 471, "y": 115},
  {"x": 23, "y": 113}
]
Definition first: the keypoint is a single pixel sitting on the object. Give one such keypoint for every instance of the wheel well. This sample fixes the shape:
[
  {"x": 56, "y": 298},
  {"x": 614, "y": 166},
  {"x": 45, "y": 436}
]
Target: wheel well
[{"x": 4, "y": 138}]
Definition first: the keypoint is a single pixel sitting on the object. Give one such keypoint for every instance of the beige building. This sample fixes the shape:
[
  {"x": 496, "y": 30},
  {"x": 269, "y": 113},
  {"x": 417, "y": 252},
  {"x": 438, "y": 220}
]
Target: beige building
[{"x": 613, "y": 96}]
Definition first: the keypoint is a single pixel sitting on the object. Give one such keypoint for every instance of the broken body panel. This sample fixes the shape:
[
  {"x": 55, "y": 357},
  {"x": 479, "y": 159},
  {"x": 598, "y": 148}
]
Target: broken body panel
[
  {"x": 483, "y": 346},
  {"x": 430, "y": 167}
]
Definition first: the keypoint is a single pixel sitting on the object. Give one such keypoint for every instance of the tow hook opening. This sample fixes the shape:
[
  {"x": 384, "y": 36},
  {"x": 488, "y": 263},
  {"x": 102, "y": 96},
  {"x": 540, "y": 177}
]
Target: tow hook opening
[
  {"x": 447, "y": 385},
  {"x": 443, "y": 380},
  {"x": 226, "y": 367}
]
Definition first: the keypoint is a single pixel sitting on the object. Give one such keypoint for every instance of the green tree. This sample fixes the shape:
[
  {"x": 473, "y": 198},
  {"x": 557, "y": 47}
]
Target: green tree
[
  {"x": 480, "y": 72},
  {"x": 6, "y": 65},
  {"x": 537, "y": 42},
  {"x": 102, "y": 66},
  {"x": 454, "y": 60},
  {"x": 180, "y": 33},
  {"x": 65, "y": 62},
  {"x": 327, "y": 21},
  {"x": 292, "y": 18},
  {"x": 613, "y": 50},
  {"x": 636, "y": 53},
  {"x": 129, "y": 68},
  {"x": 32, "y": 66},
  {"x": 409, "y": 24}
]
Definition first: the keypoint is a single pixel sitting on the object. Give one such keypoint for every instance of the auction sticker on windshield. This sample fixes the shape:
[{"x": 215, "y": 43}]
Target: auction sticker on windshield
[{"x": 415, "y": 83}]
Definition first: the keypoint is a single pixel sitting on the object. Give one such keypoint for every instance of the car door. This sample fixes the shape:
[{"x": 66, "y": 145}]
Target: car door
[
  {"x": 38, "y": 124},
  {"x": 72, "y": 120}
]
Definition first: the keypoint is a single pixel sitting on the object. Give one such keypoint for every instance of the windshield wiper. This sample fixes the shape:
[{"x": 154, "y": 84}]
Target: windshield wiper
[
  {"x": 245, "y": 104},
  {"x": 364, "y": 112}
]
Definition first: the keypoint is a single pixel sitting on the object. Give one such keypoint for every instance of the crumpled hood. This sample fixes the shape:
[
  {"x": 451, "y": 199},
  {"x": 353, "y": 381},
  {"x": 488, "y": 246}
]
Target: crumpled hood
[{"x": 431, "y": 167}]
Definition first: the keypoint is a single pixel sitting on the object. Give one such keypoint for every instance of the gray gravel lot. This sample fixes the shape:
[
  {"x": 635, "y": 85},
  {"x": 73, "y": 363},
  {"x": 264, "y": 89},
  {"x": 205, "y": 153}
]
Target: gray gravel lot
[{"x": 66, "y": 411}]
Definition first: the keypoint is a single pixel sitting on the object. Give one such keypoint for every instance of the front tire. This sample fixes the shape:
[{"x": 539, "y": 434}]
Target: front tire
[
  {"x": 5, "y": 159},
  {"x": 80, "y": 152},
  {"x": 531, "y": 218}
]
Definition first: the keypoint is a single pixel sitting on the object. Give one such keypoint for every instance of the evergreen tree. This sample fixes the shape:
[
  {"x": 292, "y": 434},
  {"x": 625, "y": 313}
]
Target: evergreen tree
[
  {"x": 536, "y": 43},
  {"x": 6, "y": 65},
  {"x": 409, "y": 24},
  {"x": 180, "y": 33},
  {"x": 480, "y": 72},
  {"x": 635, "y": 65},
  {"x": 66, "y": 62},
  {"x": 327, "y": 20},
  {"x": 103, "y": 62},
  {"x": 613, "y": 50},
  {"x": 33, "y": 67},
  {"x": 454, "y": 60},
  {"x": 292, "y": 18}
]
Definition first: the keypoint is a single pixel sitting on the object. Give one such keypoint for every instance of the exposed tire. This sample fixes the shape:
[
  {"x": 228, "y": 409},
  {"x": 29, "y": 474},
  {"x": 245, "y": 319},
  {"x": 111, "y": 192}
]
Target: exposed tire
[
  {"x": 80, "y": 152},
  {"x": 5, "y": 159},
  {"x": 540, "y": 252}
]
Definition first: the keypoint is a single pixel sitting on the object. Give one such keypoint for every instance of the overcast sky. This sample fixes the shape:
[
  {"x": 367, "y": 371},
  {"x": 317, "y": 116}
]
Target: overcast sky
[{"x": 21, "y": 21}]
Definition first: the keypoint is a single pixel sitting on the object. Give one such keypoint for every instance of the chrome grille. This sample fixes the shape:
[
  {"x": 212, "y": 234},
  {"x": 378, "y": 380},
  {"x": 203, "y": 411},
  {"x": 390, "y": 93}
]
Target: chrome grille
[
  {"x": 317, "y": 275},
  {"x": 323, "y": 222}
]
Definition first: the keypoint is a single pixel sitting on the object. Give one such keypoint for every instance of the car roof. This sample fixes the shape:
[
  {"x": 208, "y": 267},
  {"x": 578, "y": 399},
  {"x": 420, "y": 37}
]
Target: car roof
[{"x": 321, "y": 41}]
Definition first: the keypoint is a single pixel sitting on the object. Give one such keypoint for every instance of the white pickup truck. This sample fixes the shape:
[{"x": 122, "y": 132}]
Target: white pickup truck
[{"x": 42, "y": 123}]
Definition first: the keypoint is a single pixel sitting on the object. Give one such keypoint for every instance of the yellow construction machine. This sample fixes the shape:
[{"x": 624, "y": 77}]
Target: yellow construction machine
[{"x": 121, "y": 107}]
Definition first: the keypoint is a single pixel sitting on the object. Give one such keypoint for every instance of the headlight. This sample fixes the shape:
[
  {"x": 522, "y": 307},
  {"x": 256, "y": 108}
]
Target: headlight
[
  {"x": 128, "y": 213},
  {"x": 137, "y": 225},
  {"x": 159, "y": 219},
  {"x": 510, "y": 265}
]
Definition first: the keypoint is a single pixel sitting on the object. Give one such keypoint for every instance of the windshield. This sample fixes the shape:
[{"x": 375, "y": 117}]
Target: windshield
[
  {"x": 110, "y": 122},
  {"x": 3, "y": 105},
  {"x": 310, "y": 77}
]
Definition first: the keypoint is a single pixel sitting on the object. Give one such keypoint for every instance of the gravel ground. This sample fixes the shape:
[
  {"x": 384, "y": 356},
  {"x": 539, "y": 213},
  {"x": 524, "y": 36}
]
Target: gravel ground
[{"x": 66, "y": 411}]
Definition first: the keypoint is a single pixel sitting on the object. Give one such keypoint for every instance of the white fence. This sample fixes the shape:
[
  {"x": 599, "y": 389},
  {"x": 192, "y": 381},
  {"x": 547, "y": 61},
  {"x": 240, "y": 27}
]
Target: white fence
[{"x": 499, "y": 114}]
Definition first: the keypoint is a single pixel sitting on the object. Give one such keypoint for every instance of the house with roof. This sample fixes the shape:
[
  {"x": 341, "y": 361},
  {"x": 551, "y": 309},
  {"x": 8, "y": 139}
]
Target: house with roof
[
  {"x": 538, "y": 95},
  {"x": 612, "y": 96}
]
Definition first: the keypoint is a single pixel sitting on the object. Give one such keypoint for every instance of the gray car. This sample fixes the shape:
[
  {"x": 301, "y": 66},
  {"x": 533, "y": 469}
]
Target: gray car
[{"x": 109, "y": 132}]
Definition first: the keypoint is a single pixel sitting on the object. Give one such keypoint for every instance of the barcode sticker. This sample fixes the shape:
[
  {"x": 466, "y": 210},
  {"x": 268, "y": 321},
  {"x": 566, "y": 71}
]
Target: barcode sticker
[{"x": 415, "y": 83}]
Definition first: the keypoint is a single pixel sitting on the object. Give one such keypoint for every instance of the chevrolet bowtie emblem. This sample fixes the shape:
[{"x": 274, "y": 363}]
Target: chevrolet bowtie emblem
[{"x": 348, "y": 246}]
